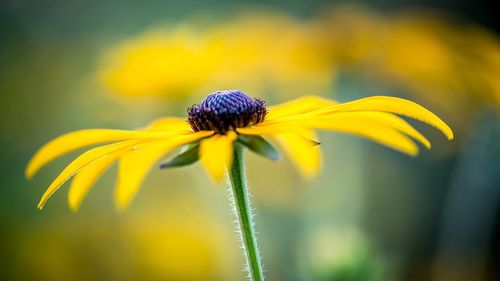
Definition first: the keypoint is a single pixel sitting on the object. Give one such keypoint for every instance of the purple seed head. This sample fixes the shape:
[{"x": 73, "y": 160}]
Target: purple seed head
[{"x": 225, "y": 110}]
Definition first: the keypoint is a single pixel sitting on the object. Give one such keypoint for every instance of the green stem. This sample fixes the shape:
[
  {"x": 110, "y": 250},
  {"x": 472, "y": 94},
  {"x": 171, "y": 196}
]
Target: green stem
[{"x": 244, "y": 215}]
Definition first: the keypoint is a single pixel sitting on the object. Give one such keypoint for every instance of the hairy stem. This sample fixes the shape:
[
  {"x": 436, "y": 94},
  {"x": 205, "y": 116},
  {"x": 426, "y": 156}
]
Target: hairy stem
[{"x": 244, "y": 215}]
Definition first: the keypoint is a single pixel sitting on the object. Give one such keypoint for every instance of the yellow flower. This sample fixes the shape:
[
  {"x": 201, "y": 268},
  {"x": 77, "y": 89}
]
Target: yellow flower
[
  {"x": 170, "y": 64},
  {"x": 189, "y": 58},
  {"x": 453, "y": 66},
  {"x": 220, "y": 120}
]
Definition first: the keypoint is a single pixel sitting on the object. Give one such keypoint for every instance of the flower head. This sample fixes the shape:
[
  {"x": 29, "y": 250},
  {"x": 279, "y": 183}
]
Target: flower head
[
  {"x": 225, "y": 110},
  {"x": 214, "y": 125}
]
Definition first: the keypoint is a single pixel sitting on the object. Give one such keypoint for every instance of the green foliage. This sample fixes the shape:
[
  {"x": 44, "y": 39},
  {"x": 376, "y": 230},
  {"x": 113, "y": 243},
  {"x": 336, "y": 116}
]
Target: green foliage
[
  {"x": 260, "y": 146},
  {"x": 189, "y": 156}
]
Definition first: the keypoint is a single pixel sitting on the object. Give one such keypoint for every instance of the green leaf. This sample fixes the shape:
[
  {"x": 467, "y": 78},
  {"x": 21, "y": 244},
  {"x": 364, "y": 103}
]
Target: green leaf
[
  {"x": 186, "y": 157},
  {"x": 260, "y": 146}
]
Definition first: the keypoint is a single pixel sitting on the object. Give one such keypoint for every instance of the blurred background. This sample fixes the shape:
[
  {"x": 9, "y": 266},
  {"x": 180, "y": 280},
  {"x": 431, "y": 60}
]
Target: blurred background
[{"x": 372, "y": 214}]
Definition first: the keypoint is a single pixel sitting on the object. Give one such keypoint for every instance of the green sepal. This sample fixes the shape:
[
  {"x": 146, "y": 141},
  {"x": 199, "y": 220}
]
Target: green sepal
[
  {"x": 187, "y": 157},
  {"x": 260, "y": 146}
]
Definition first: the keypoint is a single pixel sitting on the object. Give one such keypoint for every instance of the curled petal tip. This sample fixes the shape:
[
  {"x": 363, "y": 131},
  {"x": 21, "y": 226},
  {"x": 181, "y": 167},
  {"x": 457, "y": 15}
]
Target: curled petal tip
[
  {"x": 450, "y": 135},
  {"x": 29, "y": 173},
  {"x": 413, "y": 152},
  {"x": 446, "y": 130},
  {"x": 122, "y": 203},
  {"x": 217, "y": 177},
  {"x": 73, "y": 206},
  {"x": 427, "y": 144}
]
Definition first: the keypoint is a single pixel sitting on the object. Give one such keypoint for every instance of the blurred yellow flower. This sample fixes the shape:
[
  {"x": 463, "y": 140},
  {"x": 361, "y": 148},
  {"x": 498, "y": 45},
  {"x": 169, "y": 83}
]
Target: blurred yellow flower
[
  {"x": 161, "y": 64},
  {"x": 175, "y": 247},
  {"x": 445, "y": 63},
  {"x": 415, "y": 53},
  {"x": 253, "y": 51},
  {"x": 348, "y": 34},
  {"x": 213, "y": 127},
  {"x": 271, "y": 50},
  {"x": 150, "y": 244},
  {"x": 448, "y": 64}
]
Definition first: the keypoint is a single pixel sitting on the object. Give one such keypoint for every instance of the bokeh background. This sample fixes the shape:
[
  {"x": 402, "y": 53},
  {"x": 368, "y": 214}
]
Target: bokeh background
[{"x": 372, "y": 214}]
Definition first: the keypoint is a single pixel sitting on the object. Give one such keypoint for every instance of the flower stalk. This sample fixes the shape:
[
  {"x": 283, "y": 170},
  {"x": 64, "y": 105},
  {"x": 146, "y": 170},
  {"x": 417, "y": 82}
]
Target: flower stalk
[{"x": 243, "y": 212}]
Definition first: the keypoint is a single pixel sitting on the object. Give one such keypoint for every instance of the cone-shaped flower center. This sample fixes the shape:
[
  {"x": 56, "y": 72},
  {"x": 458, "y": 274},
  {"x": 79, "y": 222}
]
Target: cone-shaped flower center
[{"x": 224, "y": 110}]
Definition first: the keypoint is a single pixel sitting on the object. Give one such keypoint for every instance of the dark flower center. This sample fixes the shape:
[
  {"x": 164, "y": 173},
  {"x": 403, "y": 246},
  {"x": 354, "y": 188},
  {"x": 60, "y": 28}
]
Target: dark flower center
[{"x": 224, "y": 110}]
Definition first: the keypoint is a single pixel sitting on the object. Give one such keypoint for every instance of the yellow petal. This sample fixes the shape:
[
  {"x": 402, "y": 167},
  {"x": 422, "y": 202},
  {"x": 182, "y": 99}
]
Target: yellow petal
[
  {"x": 304, "y": 153},
  {"x": 371, "y": 129},
  {"x": 170, "y": 124},
  {"x": 361, "y": 120},
  {"x": 397, "y": 123},
  {"x": 392, "y": 105},
  {"x": 372, "y": 125},
  {"x": 134, "y": 165},
  {"x": 270, "y": 128},
  {"x": 72, "y": 141},
  {"x": 85, "y": 179},
  {"x": 110, "y": 150},
  {"x": 297, "y": 106},
  {"x": 216, "y": 154}
]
